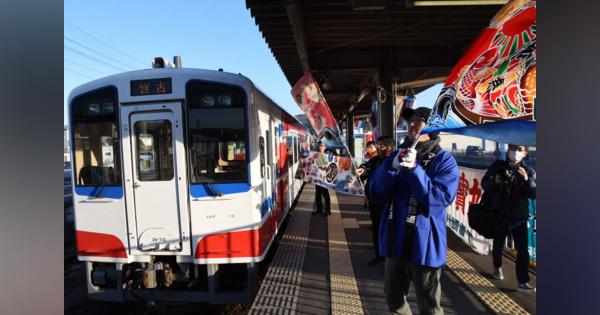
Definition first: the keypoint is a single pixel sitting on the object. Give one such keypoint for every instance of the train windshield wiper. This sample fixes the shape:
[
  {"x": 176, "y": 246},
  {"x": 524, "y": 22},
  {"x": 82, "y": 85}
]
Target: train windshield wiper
[
  {"x": 101, "y": 188},
  {"x": 214, "y": 190}
]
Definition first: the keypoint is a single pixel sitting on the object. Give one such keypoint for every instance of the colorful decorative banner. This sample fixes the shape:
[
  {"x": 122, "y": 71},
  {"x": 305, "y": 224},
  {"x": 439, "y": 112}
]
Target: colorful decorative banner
[
  {"x": 330, "y": 171},
  {"x": 308, "y": 96},
  {"x": 469, "y": 192},
  {"x": 494, "y": 83}
]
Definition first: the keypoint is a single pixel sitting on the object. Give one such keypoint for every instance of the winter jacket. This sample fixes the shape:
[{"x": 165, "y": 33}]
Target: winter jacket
[
  {"x": 511, "y": 197},
  {"x": 370, "y": 167},
  {"x": 434, "y": 190}
]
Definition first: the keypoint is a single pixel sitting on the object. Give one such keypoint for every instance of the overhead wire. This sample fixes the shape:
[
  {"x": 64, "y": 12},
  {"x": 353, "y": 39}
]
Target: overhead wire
[
  {"x": 88, "y": 35},
  {"x": 94, "y": 58},
  {"x": 87, "y": 67},
  {"x": 97, "y": 52}
]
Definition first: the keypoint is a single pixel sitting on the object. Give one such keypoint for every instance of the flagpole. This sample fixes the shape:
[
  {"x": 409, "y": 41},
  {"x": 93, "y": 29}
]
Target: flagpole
[{"x": 414, "y": 145}]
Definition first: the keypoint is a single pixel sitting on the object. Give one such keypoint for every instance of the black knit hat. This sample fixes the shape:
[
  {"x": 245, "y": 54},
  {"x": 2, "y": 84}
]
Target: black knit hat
[{"x": 422, "y": 112}]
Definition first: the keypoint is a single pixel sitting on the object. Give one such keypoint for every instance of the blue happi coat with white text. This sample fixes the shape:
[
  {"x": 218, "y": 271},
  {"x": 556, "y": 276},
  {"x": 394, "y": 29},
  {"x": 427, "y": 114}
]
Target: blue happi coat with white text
[{"x": 434, "y": 189}]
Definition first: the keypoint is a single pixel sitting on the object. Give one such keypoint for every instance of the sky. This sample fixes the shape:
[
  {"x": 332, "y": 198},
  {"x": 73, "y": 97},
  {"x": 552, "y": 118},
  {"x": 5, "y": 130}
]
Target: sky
[
  {"x": 428, "y": 97},
  {"x": 106, "y": 37}
]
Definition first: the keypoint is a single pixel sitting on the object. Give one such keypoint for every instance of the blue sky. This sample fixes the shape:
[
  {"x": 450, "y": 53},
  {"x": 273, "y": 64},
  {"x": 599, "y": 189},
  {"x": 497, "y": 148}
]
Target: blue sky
[
  {"x": 427, "y": 98},
  {"x": 109, "y": 36}
]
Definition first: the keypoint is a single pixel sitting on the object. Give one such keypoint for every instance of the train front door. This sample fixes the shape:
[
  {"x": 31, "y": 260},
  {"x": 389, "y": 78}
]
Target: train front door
[{"x": 157, "y": 158}]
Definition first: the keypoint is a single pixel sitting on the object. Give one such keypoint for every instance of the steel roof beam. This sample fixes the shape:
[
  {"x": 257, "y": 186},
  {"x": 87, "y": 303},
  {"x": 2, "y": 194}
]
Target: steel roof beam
[
  {"x": 415, "y": 58},
  {"x": 294, "y": 12}
]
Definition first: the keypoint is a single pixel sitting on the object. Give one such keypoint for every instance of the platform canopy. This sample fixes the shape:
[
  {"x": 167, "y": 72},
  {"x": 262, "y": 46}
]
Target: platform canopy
[{"x": 354, "y": 46}]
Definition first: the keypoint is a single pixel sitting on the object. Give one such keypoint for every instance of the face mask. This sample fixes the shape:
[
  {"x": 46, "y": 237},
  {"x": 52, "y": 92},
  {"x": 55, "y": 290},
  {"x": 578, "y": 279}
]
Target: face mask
[{"x": 515, "y": 156}]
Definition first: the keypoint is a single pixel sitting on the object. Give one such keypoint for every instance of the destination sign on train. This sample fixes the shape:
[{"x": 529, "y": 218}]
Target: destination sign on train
[{"x": 151, "y": 87}]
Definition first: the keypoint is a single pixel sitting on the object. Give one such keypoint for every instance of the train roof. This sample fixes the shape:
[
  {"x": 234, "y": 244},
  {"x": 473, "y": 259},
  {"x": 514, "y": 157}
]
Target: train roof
[{"x": 123, "y": 79}]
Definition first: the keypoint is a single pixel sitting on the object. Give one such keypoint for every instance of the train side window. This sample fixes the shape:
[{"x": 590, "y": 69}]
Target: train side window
[
  {"x": 288, "y": 148},
  {"x": 261, "y": 146},
  {"x": 299, "y": 149},
  {"x": 269, "y": 149},
  {"x": 295, "y": 149},
  {"x": 95, "y": 137}
]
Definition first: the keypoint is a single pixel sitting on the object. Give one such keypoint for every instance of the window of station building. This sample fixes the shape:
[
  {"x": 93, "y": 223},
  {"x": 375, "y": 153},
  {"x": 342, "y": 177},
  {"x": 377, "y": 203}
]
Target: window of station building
[
  {"x": 217, "y": 132},
  {"x": 95, "y": 137}
]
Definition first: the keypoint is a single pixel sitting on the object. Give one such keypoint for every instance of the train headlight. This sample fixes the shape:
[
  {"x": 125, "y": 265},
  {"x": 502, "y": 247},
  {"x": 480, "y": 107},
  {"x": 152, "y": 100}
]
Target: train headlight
[
  {"x": 108, "y": 108},
  {"x": 225, "y": 100},
  {"x": 94, "y": 108},
  {"x": 208, "y": 101}
]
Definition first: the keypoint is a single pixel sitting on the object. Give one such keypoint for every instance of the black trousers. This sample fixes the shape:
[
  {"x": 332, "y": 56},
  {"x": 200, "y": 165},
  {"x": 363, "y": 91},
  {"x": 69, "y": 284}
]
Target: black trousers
[
  {"x": 519, "y": 234},
  {"x": 322, "y": 193},
  {"x": 399, "y": 273},
  {"x": 375, "y": 214}
]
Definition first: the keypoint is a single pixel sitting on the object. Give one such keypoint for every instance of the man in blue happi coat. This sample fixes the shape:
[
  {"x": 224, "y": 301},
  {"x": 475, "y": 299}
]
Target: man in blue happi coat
[{"x": 417, "y": 185}]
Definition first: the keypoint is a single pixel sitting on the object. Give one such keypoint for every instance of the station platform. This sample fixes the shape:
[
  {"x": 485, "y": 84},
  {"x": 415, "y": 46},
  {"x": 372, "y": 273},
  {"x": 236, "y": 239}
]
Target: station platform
[{"x": 320, "y": 267}]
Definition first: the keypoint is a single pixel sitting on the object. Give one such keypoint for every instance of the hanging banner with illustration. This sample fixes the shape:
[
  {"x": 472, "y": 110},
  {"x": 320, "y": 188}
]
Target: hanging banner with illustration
[
  {"x": 491, "y": 91},
  {"x": 309, "y": 98},
  {"x": 326, "y": 170},
  {"x": 469, "y": 192},
  {"x": 330, "y": 171}
]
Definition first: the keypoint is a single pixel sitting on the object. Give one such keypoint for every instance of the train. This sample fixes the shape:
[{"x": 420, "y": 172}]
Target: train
[{"x": 181, "y": 180}]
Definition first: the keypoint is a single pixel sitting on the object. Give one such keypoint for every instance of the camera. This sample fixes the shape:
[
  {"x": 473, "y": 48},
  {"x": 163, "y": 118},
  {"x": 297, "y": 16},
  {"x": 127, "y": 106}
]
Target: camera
[{"x": 508, "y": 174}]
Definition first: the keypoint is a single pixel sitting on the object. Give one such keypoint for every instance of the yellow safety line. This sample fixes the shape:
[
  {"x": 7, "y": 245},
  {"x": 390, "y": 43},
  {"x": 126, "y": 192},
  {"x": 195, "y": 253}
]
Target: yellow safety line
[
  {"x": 345, "y": 297},
  {"x": 496, "y": 300},
  {"x": 280, "y": 288}
]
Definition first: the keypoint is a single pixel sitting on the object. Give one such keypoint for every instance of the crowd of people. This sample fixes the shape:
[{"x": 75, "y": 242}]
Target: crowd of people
[{"x": 407, "y": 191}]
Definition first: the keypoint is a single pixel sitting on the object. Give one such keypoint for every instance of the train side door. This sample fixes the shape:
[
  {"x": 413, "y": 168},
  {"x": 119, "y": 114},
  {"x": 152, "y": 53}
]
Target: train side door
[{"x": 157, "y": 158}]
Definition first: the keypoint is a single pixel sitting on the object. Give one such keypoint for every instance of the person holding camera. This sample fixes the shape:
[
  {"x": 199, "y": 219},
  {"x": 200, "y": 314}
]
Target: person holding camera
[{"x": 510, "y": 184}]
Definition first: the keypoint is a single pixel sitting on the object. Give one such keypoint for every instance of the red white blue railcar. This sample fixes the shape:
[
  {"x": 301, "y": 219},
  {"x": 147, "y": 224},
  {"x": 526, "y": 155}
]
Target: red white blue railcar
[{"x": 181, "y": 179}]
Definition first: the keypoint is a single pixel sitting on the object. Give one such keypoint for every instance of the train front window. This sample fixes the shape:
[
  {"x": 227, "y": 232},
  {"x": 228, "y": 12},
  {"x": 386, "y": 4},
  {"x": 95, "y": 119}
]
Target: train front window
[
  {"x": 217, "y": 134},
  {"x": 96, "y": 139}
]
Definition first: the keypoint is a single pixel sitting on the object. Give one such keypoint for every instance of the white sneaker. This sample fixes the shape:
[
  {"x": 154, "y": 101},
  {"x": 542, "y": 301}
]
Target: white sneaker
[
  {"x": 498, "y": 274},
  {"x": 525, "y": 287}
]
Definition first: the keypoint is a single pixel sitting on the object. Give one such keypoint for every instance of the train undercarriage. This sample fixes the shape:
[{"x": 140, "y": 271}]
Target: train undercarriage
[{"x": 165, "y": 280}]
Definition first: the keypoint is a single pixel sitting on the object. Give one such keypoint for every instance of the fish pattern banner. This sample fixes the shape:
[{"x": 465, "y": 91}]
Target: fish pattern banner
[{"x": 494, "y": 82}]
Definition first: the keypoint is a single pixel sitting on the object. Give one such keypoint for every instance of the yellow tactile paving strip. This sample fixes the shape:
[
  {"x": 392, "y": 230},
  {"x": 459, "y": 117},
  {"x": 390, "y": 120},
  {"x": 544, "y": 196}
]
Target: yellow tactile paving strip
[
  {"x": 345, "y": 297},
  {"x": 496, "y": 300},
  {"x": 279, "y": 291},
  {"x": 280, "y": 288}
]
